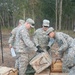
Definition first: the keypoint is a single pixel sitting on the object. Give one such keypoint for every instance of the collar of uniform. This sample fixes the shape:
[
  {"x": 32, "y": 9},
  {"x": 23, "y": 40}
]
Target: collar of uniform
[{"x": 55, "y": 35}]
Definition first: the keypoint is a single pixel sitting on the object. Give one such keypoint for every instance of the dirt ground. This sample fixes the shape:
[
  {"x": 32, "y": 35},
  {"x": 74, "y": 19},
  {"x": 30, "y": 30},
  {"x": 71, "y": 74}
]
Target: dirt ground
[{"x": 9, "y": 61}]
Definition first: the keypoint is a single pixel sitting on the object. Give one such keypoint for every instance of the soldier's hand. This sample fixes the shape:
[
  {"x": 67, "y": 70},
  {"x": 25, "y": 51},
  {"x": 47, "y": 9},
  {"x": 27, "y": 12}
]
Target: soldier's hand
[
  {"x": 10, "y": 46},
  {"x": 47, "y": 48},
  {"x": 70, "y": 67},
  {"x": 38, "y": 47},
  {"x": 40, "y": 51}
]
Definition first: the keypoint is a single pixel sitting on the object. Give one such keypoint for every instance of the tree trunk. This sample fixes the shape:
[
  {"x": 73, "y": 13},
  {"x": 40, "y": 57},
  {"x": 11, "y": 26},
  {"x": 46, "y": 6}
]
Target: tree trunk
[
  {"x": 2, "y": 20},
  {"x": 24, "y": 13},
  {"x": 33, "y": 16},
  {"x": 13, "y": 19},
  {"x": 60, "y": 14},
  {"x": 56, "y": 15}
]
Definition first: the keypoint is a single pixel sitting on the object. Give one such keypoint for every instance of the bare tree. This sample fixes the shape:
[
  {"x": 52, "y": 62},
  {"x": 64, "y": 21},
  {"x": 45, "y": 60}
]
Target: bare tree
[
  {"x": 56, "y": 14},
  {"x": 60, "y": 14}
]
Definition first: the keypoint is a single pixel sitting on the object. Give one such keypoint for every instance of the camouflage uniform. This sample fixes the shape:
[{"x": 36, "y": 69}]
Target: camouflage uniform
[
  {"x": 12, "y": 39},
  {"x": 66, "y": 48},
  {"x": 72, "y": 71},
  {"x": 41, "y": 39},
  {"x": 13, "y": 34},
  {"x": 23, "y": 42},
  {"x": 71, "y": 59}
]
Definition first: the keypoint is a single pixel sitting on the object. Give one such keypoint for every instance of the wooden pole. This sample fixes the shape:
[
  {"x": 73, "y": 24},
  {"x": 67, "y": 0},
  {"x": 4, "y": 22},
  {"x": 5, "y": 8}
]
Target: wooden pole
[{"x": 1, "y": 44}]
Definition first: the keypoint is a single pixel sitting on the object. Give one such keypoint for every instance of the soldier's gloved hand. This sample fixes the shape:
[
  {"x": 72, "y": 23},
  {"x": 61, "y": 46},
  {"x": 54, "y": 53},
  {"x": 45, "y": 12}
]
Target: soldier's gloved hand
[
  {"x": 38, "y": 47},
  {"x": 70, "y": 67},
  {"x": 40, "y": 51},
  {"x": 47, "y": 48}
]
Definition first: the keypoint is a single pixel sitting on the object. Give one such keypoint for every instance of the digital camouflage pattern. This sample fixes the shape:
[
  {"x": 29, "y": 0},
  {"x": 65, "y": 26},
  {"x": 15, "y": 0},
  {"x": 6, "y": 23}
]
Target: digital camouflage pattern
[
  {"x": 23, "y": 42},
  {"x": 41, "y": 39},
  {"x": 13, "y": 33},
  {"x": 66, "y": 49},
  {"x": 12, "y": 38}
]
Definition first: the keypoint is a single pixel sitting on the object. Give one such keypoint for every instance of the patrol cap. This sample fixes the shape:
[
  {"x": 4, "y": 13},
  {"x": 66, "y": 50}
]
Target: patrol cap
[
  {"x": 21, "y": 21},
  {"x": 31, "y": 21},
  {"x": 49, "y": 30},
  {"x": 46, "y": 22}
]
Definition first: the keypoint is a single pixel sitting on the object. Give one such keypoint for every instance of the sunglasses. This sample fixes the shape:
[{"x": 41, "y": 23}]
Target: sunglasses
[
  {"x": 46, "y": 26},
  {"x": 33, "y": 24}
]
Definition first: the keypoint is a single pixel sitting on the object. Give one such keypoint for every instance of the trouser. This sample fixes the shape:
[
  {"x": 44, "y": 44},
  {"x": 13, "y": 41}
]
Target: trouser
[
  {"x": 65, "y": 68},
  {"x": 22, "y": 62},
  {"x": 68, "y": 59},
  {"x": 72, "y": 61},
  {"x": 72, "y": 71},
  {"x": 17, "y": 61}
]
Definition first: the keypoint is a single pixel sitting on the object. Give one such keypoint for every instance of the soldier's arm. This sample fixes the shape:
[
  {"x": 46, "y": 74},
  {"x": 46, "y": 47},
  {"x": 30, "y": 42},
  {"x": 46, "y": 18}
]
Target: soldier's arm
[
  {"x": 27, "y": 40},
  {"x": 51, "y": 42},
  {"x": 11, "y": 39},
  {"x": 64, "y": 45},
  {"x": 35, "y": 38}
]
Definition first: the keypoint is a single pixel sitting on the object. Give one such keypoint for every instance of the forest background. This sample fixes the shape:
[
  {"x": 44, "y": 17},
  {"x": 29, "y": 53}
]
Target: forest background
[{"x": 61, "y": 13}]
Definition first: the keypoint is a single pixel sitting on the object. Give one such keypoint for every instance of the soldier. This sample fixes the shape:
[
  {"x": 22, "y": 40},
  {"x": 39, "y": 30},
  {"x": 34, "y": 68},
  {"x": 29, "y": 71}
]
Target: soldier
[
  {"x": 23, "y": 43},
  {"x": 12, "y": 40},
  {"x": 66, "y": 48},
  {"x": 40, "y": 38}
]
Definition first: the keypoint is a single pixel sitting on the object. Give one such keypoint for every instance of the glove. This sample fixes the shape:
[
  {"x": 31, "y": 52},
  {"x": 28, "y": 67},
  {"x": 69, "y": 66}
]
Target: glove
[
  {"x": 40, "y": 51},
  {"x": 70, "y": 67},
  {"x": 47, "y": 48},
  {"x": 38, "y": 47}
]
